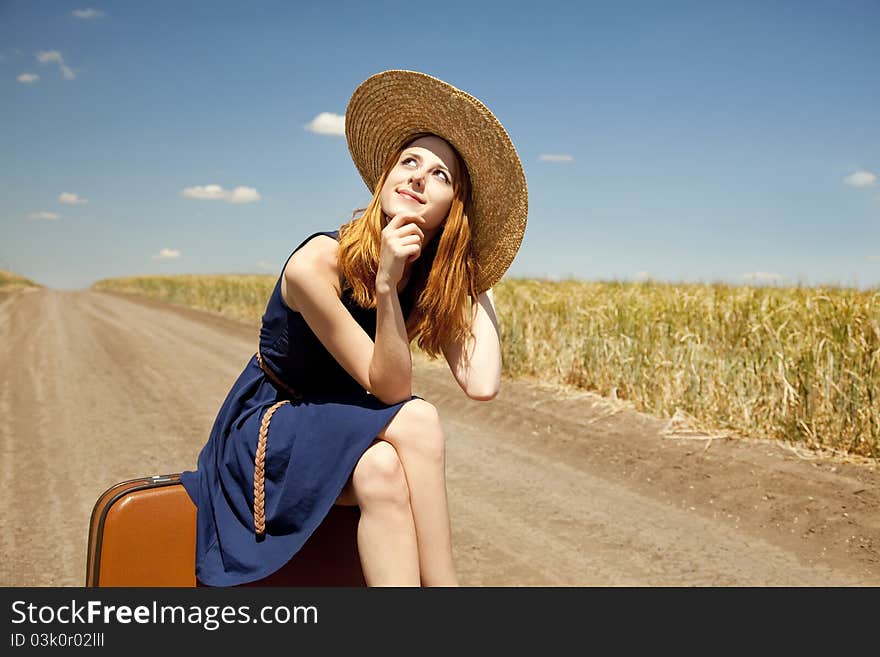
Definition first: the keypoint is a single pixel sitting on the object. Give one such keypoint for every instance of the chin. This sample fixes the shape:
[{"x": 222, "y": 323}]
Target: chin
[{"x": 405, "y": 208}]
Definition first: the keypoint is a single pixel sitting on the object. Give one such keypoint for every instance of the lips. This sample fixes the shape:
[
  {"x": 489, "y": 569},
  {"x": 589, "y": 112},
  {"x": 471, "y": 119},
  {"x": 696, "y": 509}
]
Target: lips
[{"x": 410, "y": 195}]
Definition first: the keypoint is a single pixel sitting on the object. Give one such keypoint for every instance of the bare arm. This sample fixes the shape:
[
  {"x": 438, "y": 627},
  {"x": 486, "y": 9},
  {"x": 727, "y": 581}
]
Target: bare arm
[
  {"x": 312, "y": 283},
  {"x": 476, "y": 364},
  {"x": 391, "y": 366}
]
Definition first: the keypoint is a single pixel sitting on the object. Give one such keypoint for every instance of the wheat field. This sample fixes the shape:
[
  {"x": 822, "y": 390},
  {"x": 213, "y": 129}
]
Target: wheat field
[
  {"x": 796, "y": 364},
  {"x": 9, "y": 280}
]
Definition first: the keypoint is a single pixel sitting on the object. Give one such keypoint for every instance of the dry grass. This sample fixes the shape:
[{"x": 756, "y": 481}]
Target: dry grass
[
  {"x": 241, "y": 296},
  {"x": 795, "y": 364},
  {"x": 8, "y": 280}
]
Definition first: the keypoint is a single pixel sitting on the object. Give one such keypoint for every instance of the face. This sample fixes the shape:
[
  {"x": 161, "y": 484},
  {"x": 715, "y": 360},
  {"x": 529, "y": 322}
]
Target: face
[{"x": 425, "y": 170}]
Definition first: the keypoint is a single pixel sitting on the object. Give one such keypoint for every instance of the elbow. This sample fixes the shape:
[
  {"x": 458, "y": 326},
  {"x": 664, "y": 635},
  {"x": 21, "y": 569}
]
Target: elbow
[
  {"x": 391, "y": 389},
  {"x": 483, "y": 394},
  {"x": 392, "y": 395},
  {"x": 485, "y": 389}
]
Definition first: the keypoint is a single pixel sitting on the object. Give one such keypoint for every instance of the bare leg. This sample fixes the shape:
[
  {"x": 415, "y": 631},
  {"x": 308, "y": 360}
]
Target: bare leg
[
  {"x": 386, "y": 534},
  {"x": 416, "y": 434}
]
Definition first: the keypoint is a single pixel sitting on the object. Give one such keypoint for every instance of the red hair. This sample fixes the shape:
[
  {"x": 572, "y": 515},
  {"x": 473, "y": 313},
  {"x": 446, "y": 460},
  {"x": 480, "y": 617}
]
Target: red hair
[{"x": 442, "y": 278}]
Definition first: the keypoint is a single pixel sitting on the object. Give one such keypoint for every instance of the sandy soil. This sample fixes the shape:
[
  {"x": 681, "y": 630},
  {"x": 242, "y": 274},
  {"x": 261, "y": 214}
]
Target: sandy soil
[{"x": 547, "y": 487}]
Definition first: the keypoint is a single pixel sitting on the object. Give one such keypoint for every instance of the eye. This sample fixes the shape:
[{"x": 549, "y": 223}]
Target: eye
[{"x": 440, "y": 171}]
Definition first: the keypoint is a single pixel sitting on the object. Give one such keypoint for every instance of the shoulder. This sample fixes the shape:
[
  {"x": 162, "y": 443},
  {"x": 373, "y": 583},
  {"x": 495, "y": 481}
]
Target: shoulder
[
  {"x": 315, "y": 261},
  {"x": 319, "y": 250}
]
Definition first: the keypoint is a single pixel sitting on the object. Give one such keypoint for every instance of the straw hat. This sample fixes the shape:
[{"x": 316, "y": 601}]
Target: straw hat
[{"x": 389, "y": 108}]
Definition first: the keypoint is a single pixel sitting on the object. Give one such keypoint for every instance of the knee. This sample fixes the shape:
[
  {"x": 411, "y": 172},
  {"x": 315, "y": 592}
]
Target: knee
[
  {"x": 379, "y": 478},
  {"x": 419, "y": 425}
]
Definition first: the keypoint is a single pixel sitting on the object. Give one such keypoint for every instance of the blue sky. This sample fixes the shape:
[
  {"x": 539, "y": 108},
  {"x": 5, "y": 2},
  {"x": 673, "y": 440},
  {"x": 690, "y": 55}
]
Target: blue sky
[{"x": 689, "y": 141}]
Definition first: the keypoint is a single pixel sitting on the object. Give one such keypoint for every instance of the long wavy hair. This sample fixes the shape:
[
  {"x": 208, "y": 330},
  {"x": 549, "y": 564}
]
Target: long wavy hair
[{"x": 442, "y": 278}]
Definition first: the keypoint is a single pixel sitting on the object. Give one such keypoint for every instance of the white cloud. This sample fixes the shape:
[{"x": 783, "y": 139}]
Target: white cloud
[
  {"x": 71, "y": 199},
  {"x": 243, "y": 195},
  {"x": 49, "y": 56},
  {"x": 46, "y": 56},
  {"x": 860, "y": 179},
  {"x": 873, "y": 258},
  {"x": 203, "y": 192},
  {"x": 217, "y": 193},
  {"x": 88, "y": 13},
  {"x": 51, "y": 216},
  {"x": 28, "y": 78},
  {"x": 762, "y": 277},
  {"x": 556, "y": 158},
  {"x": 266, "y": 266},
  {"x": 327, "y": 123},
  {"x": 167, "y": 254},
  {"x": 642, "y": 275}
]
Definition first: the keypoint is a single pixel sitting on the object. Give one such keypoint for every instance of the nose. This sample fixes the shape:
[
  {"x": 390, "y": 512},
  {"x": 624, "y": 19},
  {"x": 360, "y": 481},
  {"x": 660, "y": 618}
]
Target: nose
[{"x": 417, "y": 177}]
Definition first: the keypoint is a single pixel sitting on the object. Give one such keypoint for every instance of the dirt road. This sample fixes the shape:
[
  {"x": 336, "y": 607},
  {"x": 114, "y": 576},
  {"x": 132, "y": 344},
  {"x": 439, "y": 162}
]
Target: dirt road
[{"x": 546, "y": 487}]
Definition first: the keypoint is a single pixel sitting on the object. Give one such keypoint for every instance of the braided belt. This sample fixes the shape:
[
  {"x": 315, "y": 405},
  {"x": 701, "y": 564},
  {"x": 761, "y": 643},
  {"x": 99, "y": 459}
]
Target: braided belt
[{"x": 260, "y": 458}]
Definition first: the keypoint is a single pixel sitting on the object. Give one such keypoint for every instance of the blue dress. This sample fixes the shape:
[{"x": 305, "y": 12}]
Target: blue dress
[{"x": 312, "y": 446}]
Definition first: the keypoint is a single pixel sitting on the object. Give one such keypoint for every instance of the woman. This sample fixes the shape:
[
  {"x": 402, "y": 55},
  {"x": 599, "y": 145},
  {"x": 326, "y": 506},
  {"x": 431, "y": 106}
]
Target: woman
[{"x": 333, "y": 374}]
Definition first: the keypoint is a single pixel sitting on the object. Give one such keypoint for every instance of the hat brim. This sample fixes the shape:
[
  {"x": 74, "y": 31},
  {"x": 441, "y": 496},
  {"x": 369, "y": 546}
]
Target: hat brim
[{"x": 389, "y": 108}]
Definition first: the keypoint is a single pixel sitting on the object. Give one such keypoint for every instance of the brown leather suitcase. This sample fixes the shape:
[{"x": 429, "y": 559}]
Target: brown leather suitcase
[{"x": 142, "y": 532}]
